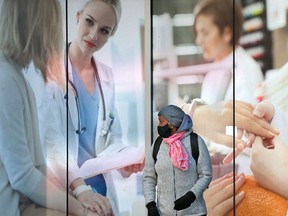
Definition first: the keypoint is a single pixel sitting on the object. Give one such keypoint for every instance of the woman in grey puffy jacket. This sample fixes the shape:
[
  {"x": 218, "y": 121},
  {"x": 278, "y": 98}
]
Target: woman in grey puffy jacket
[{"x": 180, "y": 180}]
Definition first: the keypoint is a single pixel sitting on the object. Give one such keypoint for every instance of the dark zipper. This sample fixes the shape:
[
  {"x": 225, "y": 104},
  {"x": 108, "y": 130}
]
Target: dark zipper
[{"x": 174, "y": 184}]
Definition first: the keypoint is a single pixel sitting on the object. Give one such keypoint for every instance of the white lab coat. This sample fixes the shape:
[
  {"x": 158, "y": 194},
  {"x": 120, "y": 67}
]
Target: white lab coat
[
  {"x": 218, "y": 85},
  {"x": 280, "y": 121},
  {"x": 105, "y": 142}
]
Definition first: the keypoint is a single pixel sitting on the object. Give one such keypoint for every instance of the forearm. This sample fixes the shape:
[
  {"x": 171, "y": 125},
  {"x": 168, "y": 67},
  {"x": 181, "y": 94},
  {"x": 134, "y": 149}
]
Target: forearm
[
  {"x": 56, "y": 198},
  {"x": 200, "y": 124},
  {"x": 195, "y": 113},
  {"x": 46, "y": 194},
  {"x": 202, "y": 183},
  {"x": 59, "y": 168},
  {"x": 149, "y": 178},
  {"x": 77, "y": 182},
  {"x": 204, "y": 169},
  {"x": 149, "y": 190},
  {"x": 210, "y": 121},
  {"x": 75, "y": 207}
]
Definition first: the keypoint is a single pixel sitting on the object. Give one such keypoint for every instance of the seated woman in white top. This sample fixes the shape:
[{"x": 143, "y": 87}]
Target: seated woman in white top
[{"x": 214, "y": 25}]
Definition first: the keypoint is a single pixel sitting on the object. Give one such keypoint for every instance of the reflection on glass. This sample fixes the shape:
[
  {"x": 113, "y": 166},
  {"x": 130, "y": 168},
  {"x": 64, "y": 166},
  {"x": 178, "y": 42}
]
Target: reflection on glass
[{"x": 118, "y": 58}]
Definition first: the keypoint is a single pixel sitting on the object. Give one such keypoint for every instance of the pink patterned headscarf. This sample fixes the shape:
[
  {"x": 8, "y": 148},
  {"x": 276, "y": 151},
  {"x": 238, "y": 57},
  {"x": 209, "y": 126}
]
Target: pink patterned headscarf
[{"x": 177, "y": 152}]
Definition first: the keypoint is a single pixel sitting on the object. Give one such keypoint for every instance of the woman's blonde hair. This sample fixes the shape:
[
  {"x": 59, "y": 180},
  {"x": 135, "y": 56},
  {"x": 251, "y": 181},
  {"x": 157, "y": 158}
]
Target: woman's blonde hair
[
  {"x": 32, "y": 30},
  {"x": 115, "y": 4}
]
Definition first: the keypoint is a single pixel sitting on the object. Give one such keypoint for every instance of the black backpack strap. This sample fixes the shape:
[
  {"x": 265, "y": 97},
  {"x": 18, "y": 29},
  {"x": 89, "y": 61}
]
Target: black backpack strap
[
  {"x": 156, "y": 147},
  {"x": 193, "y": 143},
  {"x": 194, "y": 146}
]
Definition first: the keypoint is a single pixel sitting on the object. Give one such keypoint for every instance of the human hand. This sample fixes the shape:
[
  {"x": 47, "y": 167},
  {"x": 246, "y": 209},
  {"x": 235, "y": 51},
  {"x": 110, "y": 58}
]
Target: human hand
[
  {"x": 134, "y": 168},
  {"x": 96, "y": 203},
  {"x": 152, "y": 209},
  {"x": 210, "y": 121},
  {"x": 184, "y": 201},
  {"x": 269, "y": 162},
  {"x": 219, "y": 197},
  {"x": 91, "y": 213},
  {"x": 264, "y": 110}
]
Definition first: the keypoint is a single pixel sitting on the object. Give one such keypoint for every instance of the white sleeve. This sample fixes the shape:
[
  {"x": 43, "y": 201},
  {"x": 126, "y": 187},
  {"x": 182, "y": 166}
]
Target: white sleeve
[
  {"x": 280, "y": 122},
  {"x": 15, "y": 153},
  {"x": 56, "y": 141}
]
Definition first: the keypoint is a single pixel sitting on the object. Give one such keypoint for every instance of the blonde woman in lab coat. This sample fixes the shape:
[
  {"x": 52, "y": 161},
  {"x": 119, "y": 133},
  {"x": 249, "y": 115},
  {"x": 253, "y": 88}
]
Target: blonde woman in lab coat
[{"x": 93, "y": 123}]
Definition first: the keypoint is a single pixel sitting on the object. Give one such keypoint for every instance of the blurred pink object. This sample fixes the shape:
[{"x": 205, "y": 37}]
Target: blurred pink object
[{"x": 218, "y": 168}]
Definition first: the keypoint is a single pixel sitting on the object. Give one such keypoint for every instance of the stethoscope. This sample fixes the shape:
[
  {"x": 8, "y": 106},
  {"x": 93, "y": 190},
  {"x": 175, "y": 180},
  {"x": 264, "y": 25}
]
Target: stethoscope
[{"x": 81, "y": 129}]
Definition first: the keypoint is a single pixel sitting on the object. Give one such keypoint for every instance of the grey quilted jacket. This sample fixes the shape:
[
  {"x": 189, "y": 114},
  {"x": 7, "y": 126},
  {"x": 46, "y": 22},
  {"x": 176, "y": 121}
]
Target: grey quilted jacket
[{"x": 164, "y": 183}]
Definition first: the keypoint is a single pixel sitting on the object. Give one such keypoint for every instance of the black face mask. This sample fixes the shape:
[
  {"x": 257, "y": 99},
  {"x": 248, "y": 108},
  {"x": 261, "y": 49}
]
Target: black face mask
[{"x": 164, "y": 131}]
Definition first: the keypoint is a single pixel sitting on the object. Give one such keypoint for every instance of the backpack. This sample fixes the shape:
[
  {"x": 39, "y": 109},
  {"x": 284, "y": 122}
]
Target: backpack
[{"x": 193, "y": 142}]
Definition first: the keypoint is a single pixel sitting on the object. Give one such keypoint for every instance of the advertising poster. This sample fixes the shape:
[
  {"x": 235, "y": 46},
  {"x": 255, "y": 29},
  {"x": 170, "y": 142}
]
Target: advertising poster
[
  {"x": 143, "y": 107},
  {"x": 215, "y": 60}
]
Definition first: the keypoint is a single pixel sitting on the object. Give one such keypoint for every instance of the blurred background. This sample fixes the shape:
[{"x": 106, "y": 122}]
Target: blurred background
[
  {"x": 172, "y": 64},
  {"x": 179, "y": 68},
  {"x": 265, "y": 38}
]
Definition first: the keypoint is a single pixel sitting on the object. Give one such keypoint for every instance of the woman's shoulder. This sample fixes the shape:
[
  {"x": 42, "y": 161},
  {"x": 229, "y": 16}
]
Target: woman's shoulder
[
  {"x": 6, "y": 67},
  {"x": 105, "y": 72},
  {"x": 12, "y": 84},
  {"x": 102, "y": 66},
  {"x": 52, "y": 88},
  {"x": 245, "y": 59},
  {"x": 201, "y": 140},
  {"x": 9, "y": 74}
]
